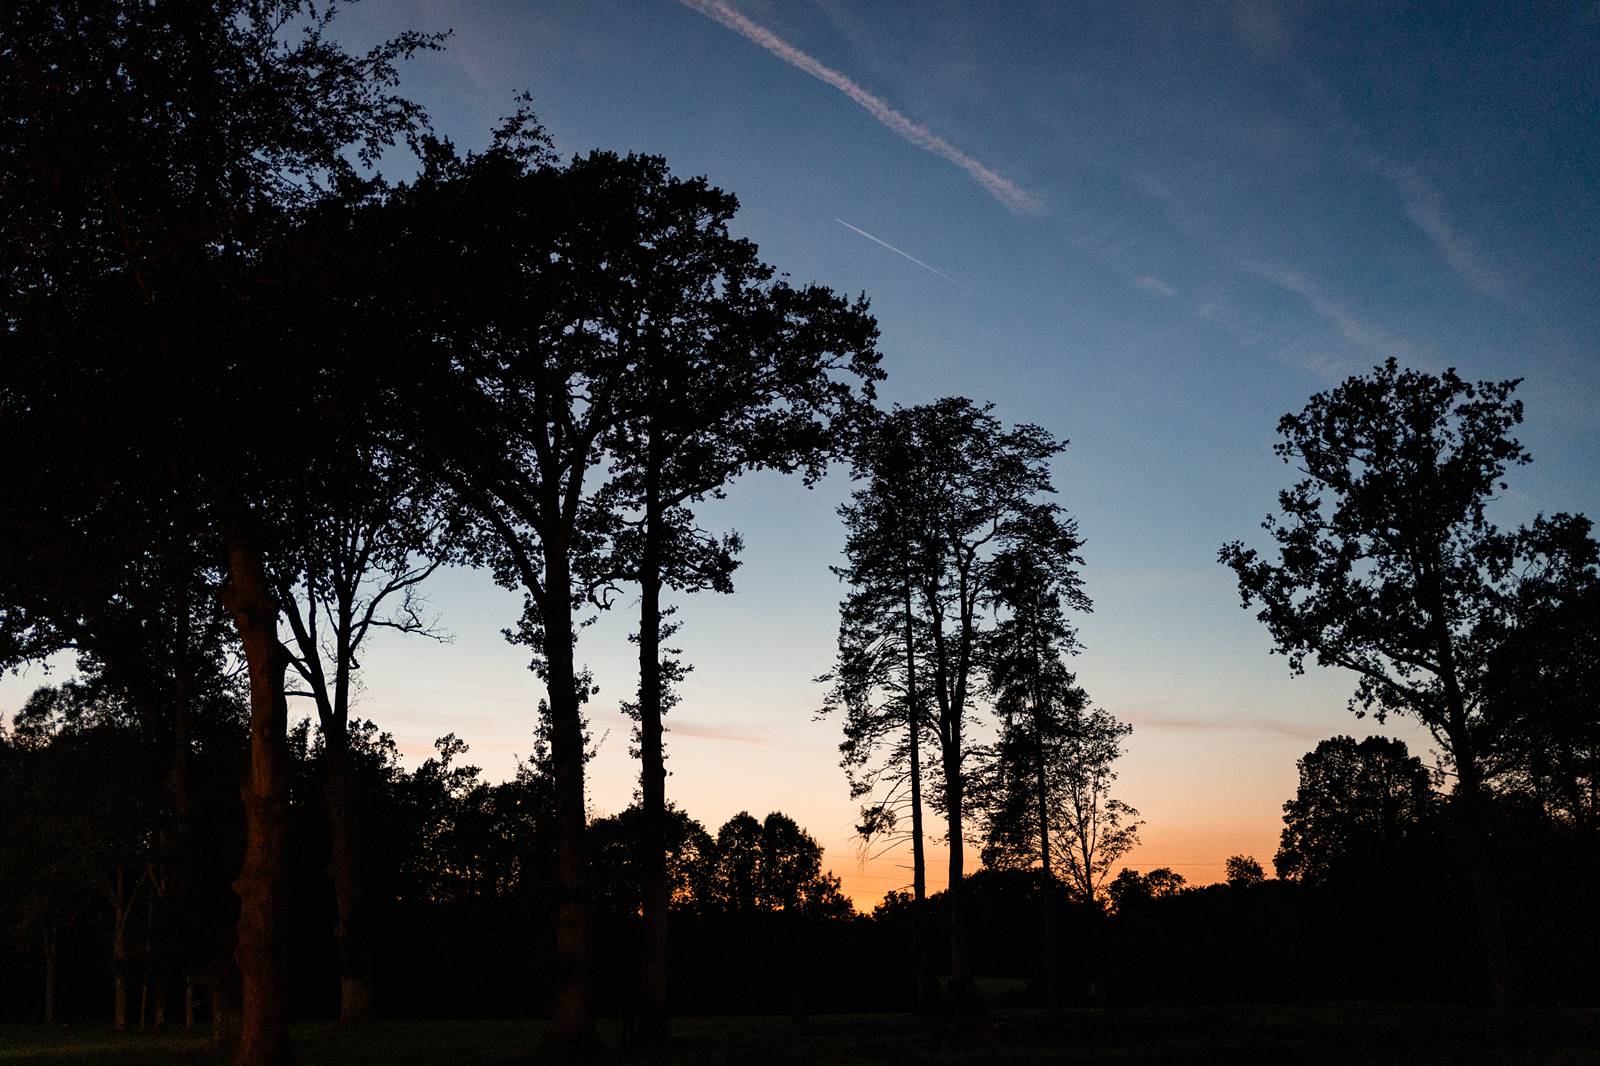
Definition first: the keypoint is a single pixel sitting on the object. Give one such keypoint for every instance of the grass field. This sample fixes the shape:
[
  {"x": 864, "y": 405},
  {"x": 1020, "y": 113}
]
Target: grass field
[{"x": 1233, "y": 1035}]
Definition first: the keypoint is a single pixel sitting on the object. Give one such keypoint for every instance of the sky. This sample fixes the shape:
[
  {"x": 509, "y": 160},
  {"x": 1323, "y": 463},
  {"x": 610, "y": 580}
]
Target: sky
[{"x": 1151, "y": 229}]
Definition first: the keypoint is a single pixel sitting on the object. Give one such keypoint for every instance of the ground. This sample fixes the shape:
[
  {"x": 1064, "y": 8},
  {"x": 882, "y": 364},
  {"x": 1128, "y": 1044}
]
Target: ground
[{"x": 1345, "y": 1033}]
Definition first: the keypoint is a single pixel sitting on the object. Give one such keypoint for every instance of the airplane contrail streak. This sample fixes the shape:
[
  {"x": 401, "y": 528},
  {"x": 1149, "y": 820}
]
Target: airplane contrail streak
[
  {"x": 1001, "y": 188},
  {"x": 908, "y": 255}
]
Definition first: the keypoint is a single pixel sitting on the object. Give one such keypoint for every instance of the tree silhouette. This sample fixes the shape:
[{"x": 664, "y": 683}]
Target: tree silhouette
[
  {"x": 1387, "y": 566},
  {"x": 1543, "y": 673},
  {"x": 517, "y": 381},
  {"x": 729, "y": 371},
  {"x": 1242, "y": 871},
  {"x": 1130, "y": 890},
  {"x": 771, "y": 866},
  {"x": 362, "y": 549},
  {"x": 954, "y": 486},
  {"x": 83, "y": 834},
  {"x": 1033, "y": 580},
  {"x": 1355, "y": 808},
  {"x": 887, "y": 714},
  {"x": 146, "y": 155}
]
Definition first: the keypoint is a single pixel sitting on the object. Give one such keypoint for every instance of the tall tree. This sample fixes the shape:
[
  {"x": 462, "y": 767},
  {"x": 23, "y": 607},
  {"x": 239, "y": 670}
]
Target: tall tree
[
  {"x": 146, "y": 156},
  {"x": 730, "y": 370},
  {"x": 1032, "y": 583},
  {"x": 360, "y": 554},
  {"x": 1097, "y": 829},
  {"x": 1387, "y": 567},
  {"x": 518, "y": 378},
  {"x": 956, "y": 487},
  {"x": 887, "y": 714}
]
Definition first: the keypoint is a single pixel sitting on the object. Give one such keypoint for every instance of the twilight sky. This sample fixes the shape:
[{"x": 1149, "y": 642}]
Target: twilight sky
[{"x": 1150, "y": 228}]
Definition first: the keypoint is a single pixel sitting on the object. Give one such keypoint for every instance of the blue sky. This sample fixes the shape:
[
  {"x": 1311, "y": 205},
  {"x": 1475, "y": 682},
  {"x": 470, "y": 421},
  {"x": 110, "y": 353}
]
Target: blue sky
[{"x": 1153, "y": 229}]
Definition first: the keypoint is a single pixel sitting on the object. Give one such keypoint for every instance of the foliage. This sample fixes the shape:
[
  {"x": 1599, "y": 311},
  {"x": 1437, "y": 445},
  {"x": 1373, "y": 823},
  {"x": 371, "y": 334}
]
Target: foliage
[
  {"x": 1242, "y": 871},
  {"x": 1356, "y": 805}
]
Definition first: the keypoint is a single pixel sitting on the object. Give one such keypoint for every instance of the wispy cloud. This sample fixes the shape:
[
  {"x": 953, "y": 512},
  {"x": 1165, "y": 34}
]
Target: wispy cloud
[
  {"x": 1154, "y": 285},
  {"x": 906, "y": 255},
  {"x": 1349, "y": 325},
  {"x": 706, "y": 731},
  {"x": 1001, "y": 188},
  {"x": 1425, "y": 207},
  {"x": 1179, "y": 724}
]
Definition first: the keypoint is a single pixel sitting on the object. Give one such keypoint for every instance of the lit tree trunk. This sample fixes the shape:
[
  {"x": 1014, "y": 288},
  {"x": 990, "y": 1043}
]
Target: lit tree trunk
[
  {"x": 571, "y": 1022},
  {"x": 262, "y": 945},
  {"x": 652, "y": 772}
]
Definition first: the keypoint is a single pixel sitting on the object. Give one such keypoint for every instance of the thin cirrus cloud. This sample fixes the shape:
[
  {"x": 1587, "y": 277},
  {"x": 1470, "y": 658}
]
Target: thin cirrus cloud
[
  {"x": 1425, "y": 208},
  {"x": 710, "y": 731},
  {"x": 1155, "y": 286},
  {"x": 1001, "y": 188},
  {"x": 1179, "y": 724},
  {"x": 1358, "y": 331}
]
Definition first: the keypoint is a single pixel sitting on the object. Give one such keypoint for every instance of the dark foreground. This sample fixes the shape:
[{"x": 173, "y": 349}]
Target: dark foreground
[{"x": 1346, "y": 1033}]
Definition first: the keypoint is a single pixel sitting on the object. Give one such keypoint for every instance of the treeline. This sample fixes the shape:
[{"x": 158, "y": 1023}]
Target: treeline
[
  {"x": 458, "y": 874},
  {"x": 1367, "y": 904}
]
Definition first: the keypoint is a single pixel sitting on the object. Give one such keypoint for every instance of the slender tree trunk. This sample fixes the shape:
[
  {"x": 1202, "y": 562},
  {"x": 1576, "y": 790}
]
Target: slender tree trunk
[
  {"x": 919, "y": 862},
  {"x": 960, "y": 963},
  {"x": 571, "y": 1022},
  {"x": 262, "y": 946},
  {"x": 167, "y": 955},
  {"x": 349, "y": 882},
  {"x": 1472, "y": 818},
  {"x": 652, "y": 777},
  {"x": 52, "y": 940},
  {"x": 1047, "y": 879},
  {"x": 119, "y": 954},
  {"x": 1473, "y": 827}
]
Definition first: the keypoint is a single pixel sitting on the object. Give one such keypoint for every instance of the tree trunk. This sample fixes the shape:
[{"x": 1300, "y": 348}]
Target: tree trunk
[
  {"x": 262, "y": 946},
  {"x": 1476, "y": 847},
  {"x": 344, "y": 838},
  {"x": 1472, "y": 820},
  {"x": 652, "y": 780},
  {"x": 119, "y": 954},
  {"x": 960, "y": 963},
  {"x": 51, "y": 942},
  {"x": 571, "y": 1023},
  {"x": 921, "y": 971},
  {"x": 1047, "y": 876}
]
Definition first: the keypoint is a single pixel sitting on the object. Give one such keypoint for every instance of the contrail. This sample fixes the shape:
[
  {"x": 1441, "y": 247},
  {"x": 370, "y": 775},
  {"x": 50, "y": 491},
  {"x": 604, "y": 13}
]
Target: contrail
[
  {"x": 1002, "y": 189},
  {"x": 908, "y": 255}
]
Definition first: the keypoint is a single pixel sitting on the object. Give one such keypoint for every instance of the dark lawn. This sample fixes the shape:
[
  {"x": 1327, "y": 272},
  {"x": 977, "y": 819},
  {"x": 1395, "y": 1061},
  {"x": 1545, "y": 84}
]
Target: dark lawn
[{"x": 1343, "y": 1033}]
